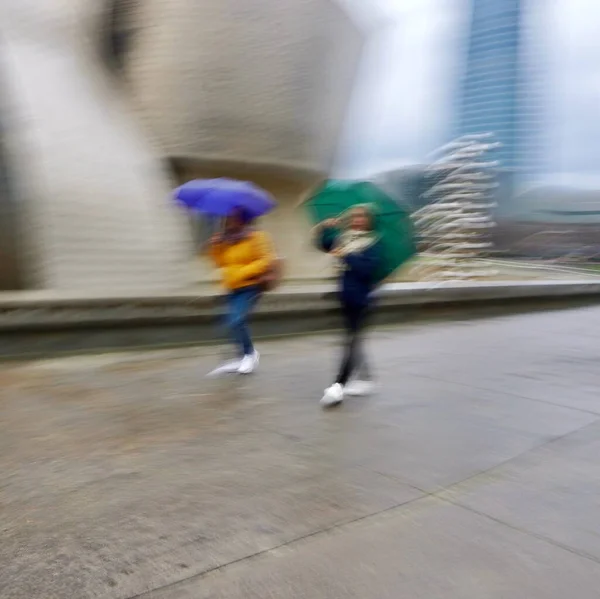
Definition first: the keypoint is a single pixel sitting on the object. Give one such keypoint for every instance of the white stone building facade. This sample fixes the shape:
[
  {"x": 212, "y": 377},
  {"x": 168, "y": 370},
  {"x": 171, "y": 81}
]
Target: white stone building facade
[{"x": 255, "y": 89}]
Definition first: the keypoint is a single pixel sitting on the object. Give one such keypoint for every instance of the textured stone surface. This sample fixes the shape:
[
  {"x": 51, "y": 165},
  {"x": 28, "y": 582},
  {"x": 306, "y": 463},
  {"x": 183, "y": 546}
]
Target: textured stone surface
[
  {"x": 538, "y": 494},
  {"x": 232, "y": 84},
  {"x": 132, "y": 474},
  {"x": 258, "y": 81},
  {"x": 11, "y": 272},
  {"x": 94, "y": 196},
  {"x": 425, "y": 550}
]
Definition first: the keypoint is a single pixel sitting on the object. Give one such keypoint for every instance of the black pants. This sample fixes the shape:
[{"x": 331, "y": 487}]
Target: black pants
[{"x": 353, "y": 359}]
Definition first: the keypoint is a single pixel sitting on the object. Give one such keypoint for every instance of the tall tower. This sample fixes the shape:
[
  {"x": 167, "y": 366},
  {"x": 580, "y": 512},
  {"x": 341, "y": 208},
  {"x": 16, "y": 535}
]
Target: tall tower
[{"x": 499, "y": 92}]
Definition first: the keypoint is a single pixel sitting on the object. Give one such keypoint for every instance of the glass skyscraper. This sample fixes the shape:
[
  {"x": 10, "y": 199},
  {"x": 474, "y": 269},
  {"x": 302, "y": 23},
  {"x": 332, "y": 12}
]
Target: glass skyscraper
[{"x": 499, "y": 90}]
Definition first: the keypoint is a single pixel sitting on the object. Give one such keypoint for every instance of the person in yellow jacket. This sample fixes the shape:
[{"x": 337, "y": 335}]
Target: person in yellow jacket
[{"x": 244, "y": 256}]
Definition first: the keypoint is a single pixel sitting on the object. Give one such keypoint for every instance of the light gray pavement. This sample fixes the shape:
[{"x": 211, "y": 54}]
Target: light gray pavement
[{"x": 474, "y": 473}]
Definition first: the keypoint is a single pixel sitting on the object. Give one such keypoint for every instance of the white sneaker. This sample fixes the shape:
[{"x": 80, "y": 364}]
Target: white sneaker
[
  {"x": 249, "y": 363},
  {"x": 228, "y": 368},
  {"x": 360, "y": 388},
  {"x": 333, "y": 396}
]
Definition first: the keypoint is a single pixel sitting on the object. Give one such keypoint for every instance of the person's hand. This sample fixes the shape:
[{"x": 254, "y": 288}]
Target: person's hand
[
  {"x": 330, "y": 223},
  {"x": 336, "y": 253},
  {"x": 216, "y": 239}
]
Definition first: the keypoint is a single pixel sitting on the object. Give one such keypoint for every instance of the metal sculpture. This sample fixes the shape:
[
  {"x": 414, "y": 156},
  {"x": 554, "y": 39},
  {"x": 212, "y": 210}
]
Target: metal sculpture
[{"x": 454, "y": 227}]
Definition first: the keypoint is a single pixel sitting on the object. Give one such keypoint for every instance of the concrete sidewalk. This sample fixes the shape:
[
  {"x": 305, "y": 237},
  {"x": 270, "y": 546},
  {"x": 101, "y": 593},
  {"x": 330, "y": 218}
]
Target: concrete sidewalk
[{"x": 473, "y": 474}]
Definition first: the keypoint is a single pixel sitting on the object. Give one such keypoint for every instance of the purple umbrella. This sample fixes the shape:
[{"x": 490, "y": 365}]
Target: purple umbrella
[{"x": 221, "y": 197}]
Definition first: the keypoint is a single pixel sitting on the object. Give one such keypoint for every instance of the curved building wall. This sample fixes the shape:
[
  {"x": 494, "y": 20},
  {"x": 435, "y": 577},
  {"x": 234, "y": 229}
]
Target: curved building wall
[
  {"x": 96, "y": 197},
  {"x": 11, "y": 275},
  {"x": 253, "y": 89},
  {"x": 264, "y": 81}
]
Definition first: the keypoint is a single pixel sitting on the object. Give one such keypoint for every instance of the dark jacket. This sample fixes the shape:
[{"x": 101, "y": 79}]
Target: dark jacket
[{"x": 357, "y": 280}]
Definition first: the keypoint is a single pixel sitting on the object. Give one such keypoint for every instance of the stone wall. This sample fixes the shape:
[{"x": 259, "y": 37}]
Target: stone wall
[
  {"x": 263, "y": 83},
  {"x": 95, "y": 197},
  {"x": 11, "y": 275},
  {"x": 266, "y": 81},
  {"x": 256, "y": 87}
]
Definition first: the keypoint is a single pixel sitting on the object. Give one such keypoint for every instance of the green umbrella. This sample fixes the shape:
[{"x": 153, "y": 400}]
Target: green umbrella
[{"x": 392, "y": 221}]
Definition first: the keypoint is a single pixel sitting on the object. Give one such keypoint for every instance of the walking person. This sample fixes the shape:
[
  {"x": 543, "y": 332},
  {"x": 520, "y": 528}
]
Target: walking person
[
  {"x": 245, "y": 256},
  {"x": 355, "y": 244}
]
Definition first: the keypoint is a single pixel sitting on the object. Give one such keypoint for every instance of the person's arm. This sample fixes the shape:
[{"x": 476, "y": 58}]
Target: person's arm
[
  {"x": 258, "y": 267},
  {"x": 214, "y": 250},
  {"x": 326, "y": 235},
  {"x": 365, "y": 263}
]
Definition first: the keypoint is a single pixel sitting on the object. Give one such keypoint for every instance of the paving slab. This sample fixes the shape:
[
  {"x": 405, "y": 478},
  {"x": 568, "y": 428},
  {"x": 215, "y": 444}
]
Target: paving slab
[
  {"x": 128, "y": 475},
  {"x": 553, "y": 492},
  {"x": 550, "y": 359},
  {"x": 428, "y": 550},
  {"x": 437, "y": 445}
]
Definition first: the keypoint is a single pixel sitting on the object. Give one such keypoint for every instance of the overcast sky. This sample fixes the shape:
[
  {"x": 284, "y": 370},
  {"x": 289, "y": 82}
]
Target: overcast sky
[{"x": 403, "y": 104}]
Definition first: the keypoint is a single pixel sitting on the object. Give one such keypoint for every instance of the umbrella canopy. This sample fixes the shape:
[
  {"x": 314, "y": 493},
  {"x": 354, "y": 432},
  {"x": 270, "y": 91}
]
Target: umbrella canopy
[
  {"x": 221, "y": 197},
  {"x": 392, "y": 221}
]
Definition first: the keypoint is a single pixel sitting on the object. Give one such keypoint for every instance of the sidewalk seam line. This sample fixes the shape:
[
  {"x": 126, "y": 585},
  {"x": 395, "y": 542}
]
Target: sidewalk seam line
[
  {"x": 516, "y": 457},
  {"x": 523, "y": 531},
  {"x": 508, "y": 393},
  {"x": 263, "y": 552}
]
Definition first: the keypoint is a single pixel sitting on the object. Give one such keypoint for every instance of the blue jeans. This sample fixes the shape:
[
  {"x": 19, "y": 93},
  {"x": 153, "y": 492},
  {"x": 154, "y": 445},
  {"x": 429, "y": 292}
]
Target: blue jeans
[{"x": 239, "y": 305}]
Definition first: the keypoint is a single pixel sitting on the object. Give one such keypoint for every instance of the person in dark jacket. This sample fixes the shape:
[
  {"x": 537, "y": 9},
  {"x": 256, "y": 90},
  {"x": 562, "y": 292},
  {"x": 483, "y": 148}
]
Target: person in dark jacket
[{"x": 357, "y": 248}]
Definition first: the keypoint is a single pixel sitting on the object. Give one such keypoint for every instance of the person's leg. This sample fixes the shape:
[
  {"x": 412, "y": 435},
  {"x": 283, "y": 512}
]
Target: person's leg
[
  {"x": 251, "y": 357},
  {"x": 362, "y": 384},
  {"x": 335, "y": 394},
  {"x": 232, "y": 322},
  {"x": 352, "y": 319},
  {"x": 240, "y": 303},
  {"x": 348, "y": 360},
  {"x": 238, "y": 307},
  {"x": 362, "y": 366}
]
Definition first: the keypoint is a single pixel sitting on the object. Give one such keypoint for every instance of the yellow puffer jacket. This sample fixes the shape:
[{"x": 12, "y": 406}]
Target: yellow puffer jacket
[{"x": 243, "y": 263}]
